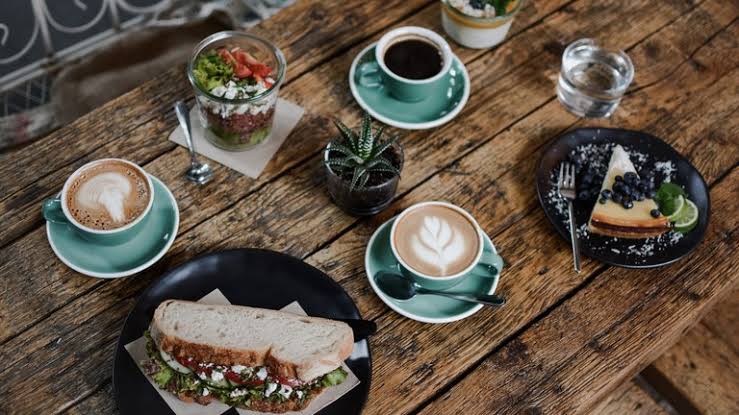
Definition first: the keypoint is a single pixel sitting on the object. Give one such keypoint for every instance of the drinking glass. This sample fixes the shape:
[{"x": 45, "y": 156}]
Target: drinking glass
[{"x": 592, "y": 80}]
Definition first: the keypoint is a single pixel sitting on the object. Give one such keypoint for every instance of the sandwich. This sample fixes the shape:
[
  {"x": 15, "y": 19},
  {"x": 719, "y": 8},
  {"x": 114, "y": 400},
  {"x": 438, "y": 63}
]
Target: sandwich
[
  {"x": 258, "y": 359},
  {"x": 624, "y": 210}
]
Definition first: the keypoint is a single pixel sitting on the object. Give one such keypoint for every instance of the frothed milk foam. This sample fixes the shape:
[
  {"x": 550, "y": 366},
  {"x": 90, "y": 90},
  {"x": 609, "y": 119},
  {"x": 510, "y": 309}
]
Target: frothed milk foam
[
  {"x": 107, "y": 195},
  {"x": 436, "y": 240}
]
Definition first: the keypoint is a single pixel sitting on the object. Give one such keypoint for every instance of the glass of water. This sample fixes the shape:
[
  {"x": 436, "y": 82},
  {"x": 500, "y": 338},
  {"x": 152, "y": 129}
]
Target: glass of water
[{"x": 593, "y": 80}]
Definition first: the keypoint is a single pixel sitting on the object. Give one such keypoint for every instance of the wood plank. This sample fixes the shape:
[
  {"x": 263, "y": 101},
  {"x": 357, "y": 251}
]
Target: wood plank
[
  {"x": 703, "y": 369},
  {"x": 92, "y": 367},
  {"x": 101, "y": 402},
  {"x": 630, "y": 400},
  {"x": 196, "y": 204},
  {"x": 39, "y": 170},
  {"x": 398, "y": 350},
  {"x": 723, "y": 320},
  {"x": 605, "y": 333}
]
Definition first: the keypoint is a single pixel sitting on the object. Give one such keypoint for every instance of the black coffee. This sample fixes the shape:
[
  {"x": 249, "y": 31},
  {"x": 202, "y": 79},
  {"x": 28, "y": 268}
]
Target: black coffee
[{"x": 414, "y": 59}]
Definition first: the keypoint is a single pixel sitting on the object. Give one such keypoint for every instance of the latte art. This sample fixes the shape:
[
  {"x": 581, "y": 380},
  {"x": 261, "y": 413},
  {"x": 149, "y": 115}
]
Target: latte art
[
  {"x": 107, "y": 195},
  {"x": 437, "y": 243},
  {"x": 107, "y": 190},
  {"x": 436, "y": 240}
]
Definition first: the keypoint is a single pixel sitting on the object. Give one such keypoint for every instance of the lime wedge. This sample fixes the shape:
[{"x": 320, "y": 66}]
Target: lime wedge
[
  {"x": 672, "y": 207},
  {"x": 687, "y": 217}
]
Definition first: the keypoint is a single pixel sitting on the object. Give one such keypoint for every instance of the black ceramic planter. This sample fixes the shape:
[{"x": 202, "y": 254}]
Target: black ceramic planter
[{"x": 366, "y": 201}]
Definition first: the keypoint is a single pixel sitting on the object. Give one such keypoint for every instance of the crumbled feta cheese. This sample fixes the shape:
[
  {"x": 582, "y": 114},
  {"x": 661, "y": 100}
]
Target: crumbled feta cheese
[
  {"x": 206, "y": 392},
  {"x": 271, "y": 387},
  {"x": 285, "y": 391},
  {"x": 238, "y": 368},
  {"x": 262, "y": 373},
  {"x": 202, "y": 375},
  {"x": 237, "y": 392},
  {"x": 219, "y": 91},
  {"x": 299, "y": 394},
  {"x": 216, "y": 376}
]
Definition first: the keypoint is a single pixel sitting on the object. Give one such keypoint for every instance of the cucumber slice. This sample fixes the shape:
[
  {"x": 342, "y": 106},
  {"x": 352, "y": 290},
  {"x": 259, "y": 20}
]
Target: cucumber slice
[{"x": 174, "y": 364}]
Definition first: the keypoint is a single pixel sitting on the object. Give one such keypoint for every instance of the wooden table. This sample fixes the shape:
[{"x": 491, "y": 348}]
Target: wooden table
[{"x": 563, "y": 342}]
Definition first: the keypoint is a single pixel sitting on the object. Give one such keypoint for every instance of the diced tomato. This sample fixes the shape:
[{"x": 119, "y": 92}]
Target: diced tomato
[
  {"x": 234, "y": 377},
  {"x": 248, "y": 58},
  {"x": 226, "y": 56},
  {"x": 261, "y": 69},
  {"x": 254, "y": 382},
  {"x": 268, "y": 83},
  {"x": 242, "y": 71}
]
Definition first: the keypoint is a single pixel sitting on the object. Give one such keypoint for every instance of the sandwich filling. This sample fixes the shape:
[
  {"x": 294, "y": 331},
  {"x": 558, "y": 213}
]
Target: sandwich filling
[{"x": 234, "y": 385}]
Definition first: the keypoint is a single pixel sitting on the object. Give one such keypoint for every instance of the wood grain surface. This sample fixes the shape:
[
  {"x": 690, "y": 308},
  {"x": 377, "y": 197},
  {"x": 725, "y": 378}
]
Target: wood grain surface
[{"x": 523, "y": 358}]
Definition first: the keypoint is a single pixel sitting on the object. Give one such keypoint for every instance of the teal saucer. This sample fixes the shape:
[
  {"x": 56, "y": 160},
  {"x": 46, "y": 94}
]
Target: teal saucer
[
  {"x": 425, "y": 308},
  {"x": 429, "y": 113},
  {"x": 117, "y": 261}
]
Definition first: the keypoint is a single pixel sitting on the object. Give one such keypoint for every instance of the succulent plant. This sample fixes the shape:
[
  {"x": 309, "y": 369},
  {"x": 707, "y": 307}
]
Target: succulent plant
[{"x": 361, "y": 154}]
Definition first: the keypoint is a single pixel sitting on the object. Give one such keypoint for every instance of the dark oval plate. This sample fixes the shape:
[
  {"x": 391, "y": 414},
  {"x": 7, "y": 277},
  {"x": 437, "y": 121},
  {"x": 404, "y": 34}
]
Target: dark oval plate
[
  {"x": 253, "y": 277},
  {"x": 621, "y": 251}
]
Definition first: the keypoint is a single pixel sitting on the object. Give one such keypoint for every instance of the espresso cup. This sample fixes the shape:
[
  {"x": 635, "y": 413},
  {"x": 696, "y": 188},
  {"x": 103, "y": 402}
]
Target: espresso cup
[
  {"x": 57, "y": 210},
  {"x": 376, "y": 74},
  {"x": 451, "y": 237}
]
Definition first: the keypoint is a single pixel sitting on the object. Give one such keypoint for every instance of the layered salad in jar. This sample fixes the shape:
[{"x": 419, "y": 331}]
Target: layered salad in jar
[{"x": 236, "y": 89}]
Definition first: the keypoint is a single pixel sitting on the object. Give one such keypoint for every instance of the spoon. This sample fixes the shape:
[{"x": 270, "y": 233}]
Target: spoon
[
  {"x": 402, "y": 288},
  {"x": 199, "y": 173}
]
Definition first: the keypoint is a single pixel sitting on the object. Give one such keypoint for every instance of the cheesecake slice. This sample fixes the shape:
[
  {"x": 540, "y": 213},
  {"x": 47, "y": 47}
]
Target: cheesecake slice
[{"x": 612, "y": 219}]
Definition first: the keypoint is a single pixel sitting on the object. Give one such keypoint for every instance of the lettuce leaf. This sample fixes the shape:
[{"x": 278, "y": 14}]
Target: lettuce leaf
[{"x": 334, "y": 377}]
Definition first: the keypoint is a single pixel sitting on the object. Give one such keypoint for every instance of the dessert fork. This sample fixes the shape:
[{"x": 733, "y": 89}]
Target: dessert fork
[{"x": 566, "y": 188}]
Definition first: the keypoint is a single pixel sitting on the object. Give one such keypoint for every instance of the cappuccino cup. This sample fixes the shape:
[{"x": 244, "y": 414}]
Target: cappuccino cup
[
  {"x": 106, "y": 201},
  {"x": 438, "y": 245}
]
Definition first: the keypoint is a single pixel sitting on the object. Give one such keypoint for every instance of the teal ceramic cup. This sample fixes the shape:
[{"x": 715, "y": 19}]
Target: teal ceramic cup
[
  {"x": 485, "y": 263},
  {"x": 56, "y": 210},
  {"x": 376, "y": 74}
]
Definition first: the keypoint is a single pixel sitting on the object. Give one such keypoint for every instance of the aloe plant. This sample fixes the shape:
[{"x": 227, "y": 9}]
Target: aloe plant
[{"x": 361, "y": 154}]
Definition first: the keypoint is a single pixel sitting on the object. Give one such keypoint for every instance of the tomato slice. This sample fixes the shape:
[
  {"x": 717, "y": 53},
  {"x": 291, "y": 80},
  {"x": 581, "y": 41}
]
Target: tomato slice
[
  {"x": 289, "y": 382},
  {"x": 188, "y": 362},
  {"x": 234, "y": 377}
]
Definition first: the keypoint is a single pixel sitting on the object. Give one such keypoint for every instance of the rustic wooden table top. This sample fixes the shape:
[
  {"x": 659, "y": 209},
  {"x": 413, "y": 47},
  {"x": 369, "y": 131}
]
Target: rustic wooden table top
[{"x": 563, "y": 342}]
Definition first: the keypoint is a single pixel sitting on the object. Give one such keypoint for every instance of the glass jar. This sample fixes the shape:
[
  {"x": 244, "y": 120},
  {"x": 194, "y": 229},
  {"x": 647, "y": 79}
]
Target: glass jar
[{"x": 232, "y": 121}]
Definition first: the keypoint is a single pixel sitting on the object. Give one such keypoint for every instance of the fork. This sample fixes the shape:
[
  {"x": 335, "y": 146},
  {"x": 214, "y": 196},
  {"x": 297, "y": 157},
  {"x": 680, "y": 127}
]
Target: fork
[{"x": 566, "y": 188}]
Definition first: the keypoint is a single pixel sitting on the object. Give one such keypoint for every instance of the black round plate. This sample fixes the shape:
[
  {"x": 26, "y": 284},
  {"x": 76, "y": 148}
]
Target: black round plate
[
  {"x": 619, "y": 251},
  {"x": 253, "y": 277}
]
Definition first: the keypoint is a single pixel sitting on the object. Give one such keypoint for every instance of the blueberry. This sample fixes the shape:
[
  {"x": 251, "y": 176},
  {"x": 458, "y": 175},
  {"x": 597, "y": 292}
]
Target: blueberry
[
  {"x": 606, "y": 194},
  {"x": 619, "y": 179},
  {"x": 655, "y": 213},
  {"x": 626, "y": 190},
  {"x": 651, "y": 194},
  {"x": 618, "y": 187},
  {"x": 583, "y": 195},
  {"x": 587, "y": 179},
  {"x": 602, "y": 200},
  {"x": 630, "y": 177},
  {"x": 639, "y": 196},
  {"x": 628, "y": 204},
  {"x": 617, "y": 197},
  {"x": 644, "y": 186}
]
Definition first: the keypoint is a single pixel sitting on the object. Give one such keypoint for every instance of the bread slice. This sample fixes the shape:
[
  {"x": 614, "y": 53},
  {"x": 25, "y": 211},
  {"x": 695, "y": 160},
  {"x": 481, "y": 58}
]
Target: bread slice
[{"x": 290, "y": 345}]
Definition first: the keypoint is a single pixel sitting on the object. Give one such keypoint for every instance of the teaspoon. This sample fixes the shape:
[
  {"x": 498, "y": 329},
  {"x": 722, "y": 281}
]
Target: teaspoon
[
  {"x": 199, "y": 173},
  {"x": 402, "y": 288}
]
